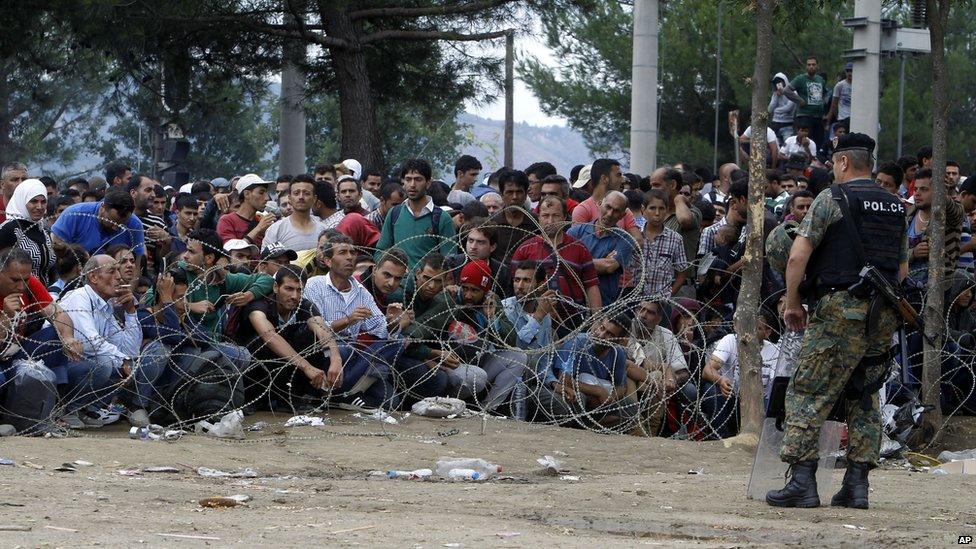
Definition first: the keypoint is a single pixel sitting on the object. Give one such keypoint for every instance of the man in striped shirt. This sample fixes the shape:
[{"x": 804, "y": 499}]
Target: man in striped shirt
[{"x": 664, "y": 251}]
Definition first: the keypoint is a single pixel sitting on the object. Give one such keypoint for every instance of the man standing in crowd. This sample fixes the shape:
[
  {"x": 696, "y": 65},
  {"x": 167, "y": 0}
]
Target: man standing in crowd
[
  {"x": 390, "y": 194},
  {"x": 605, "y": 176},
  {"x": 466, "y": 171},
  {"x": 809, "y": 92},
  {"x": 537, "y": 173},
  {"x": 664, "y": 252},
  {"x": 97, "y": 225},
  {"x": 299, "y": 231},
  {"x": 918, "y": 229},
  {"x": 417, "y": 226},
  {"x": 12, "y": 175},
  {"x": 480, "y": 240},
  {"x": 513, "y": 224},
  {"x": 350, "y": 195},
  {"x": 837, "y": 344},
  {"x": 244, "y": 223}
]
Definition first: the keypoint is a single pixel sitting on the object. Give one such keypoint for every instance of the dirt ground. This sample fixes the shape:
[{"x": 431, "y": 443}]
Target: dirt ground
[{"x": 313, "y": 488}]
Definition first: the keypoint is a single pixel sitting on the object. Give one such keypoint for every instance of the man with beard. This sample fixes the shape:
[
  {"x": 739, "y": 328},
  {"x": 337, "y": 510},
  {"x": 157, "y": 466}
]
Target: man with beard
[
  {"x": 568, "y": 266},
  {"x": 612, "y": 248},
  {"x": 142, "y": 190},
  {"x": 349, "y": 192},
  {"x": 97, "y": 225},
  {"x": 299, "y": 231},
  {"x": 283, "y": 330},
  {"x": 525, "y": 322}
]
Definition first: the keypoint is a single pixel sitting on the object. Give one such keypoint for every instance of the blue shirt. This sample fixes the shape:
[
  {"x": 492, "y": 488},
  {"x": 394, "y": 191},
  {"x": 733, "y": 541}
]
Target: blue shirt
[
  {"x": 79, "y": 225},
  {"x": 577, "y": 356},
  {"x": 600, "y": 247}
]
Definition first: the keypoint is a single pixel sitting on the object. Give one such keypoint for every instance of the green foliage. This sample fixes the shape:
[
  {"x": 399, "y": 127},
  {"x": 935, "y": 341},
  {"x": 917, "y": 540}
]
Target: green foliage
[{"x": 590, "y": 86}]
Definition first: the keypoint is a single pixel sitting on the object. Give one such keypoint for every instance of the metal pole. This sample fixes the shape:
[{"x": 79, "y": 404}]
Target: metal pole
[
  {"x": 291, "y": 131},
  {"x": 510, "y": 99},
  {"x": 643, "y": 97},
  {"x": 718, "y": 82},
  {"x": 901, "y": 103},
  {"x": 867, "y": 69}
]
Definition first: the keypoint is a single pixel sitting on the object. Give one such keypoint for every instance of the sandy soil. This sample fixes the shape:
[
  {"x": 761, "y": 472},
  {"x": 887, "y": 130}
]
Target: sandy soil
[{"x": 313, "y": 489}]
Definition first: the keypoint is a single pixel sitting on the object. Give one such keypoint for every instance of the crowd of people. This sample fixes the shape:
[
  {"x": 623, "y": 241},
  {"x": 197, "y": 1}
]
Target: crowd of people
[{"x": 593, "y": 299}]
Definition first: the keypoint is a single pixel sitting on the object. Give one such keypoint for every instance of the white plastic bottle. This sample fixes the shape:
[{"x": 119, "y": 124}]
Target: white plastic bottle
[
  {"x": 484, "y": 469},
  {"x": 464, "y": 474},
  {"x": 417, "y": 474}
]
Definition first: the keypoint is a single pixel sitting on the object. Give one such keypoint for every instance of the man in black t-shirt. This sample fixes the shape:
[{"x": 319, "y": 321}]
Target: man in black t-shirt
[{"x": 285, "y": 330}]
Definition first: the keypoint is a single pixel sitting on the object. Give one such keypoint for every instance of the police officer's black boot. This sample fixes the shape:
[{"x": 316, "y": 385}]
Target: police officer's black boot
[
  {"x": 854, "y": 491},
  {"x": 801, "y": 490}
]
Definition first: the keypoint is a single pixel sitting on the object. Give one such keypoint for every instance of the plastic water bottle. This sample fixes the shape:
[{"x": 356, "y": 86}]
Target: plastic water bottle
[
  {"x": 417, "y": 474},
  {"x": 954, "y": 456},
  {"x": 518, "y": 398},
  {"x": 484, "y": 469},
  {"x": 463, "y": 474}
]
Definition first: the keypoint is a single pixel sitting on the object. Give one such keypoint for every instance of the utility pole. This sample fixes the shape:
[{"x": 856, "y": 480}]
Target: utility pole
[
  {"x": 901, "y": 103},
  {"x": 867, "y": 66},
  {"x": 291, "y": 131},
  {"x": 510, "y": 99},
  {"x": 643, "y": 97},
  {"x": 718, "y": 84}
]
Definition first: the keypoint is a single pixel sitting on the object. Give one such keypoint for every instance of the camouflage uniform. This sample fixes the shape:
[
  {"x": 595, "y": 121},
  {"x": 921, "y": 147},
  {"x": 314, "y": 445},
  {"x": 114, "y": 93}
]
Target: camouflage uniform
[
  {"x": 778, "y": 245},
  {"x": 833, "y": 344}
]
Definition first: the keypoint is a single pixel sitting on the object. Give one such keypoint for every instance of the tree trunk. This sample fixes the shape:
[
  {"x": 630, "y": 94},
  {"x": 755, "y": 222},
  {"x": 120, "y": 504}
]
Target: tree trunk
[
  {"x": 747, "y": 307},
  {"x": 357, "y": 111},
  {"x": 938, "y": 11}
]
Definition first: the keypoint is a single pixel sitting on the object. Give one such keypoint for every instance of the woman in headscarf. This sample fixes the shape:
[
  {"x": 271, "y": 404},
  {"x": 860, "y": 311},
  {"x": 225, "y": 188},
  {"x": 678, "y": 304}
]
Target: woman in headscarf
[{"x": 24, "y": 228}]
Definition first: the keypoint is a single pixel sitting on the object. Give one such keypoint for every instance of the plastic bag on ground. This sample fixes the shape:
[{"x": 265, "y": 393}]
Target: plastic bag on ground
[
  {"x": 439, "y": 407},
  {"x": 229, "y": 426}
]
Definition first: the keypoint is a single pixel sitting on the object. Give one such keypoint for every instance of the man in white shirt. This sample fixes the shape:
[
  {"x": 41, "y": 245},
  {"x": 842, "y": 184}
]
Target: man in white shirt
[
  {"x": 799, "y": 143},
  {"x": 109, "y": 348},
  {"x": 772, "y": 144},
  {"x": 656, "y": 365},
  {"x": 720, "y": 401}
]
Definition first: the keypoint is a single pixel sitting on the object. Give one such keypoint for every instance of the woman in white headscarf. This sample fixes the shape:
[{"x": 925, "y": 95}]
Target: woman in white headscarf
[{"x": 25, "y": 229}]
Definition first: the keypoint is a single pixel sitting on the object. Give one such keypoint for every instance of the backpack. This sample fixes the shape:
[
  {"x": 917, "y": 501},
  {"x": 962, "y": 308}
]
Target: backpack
[
  {"x": 208, "y": 385},
  {"x": 435, "y": 219}
]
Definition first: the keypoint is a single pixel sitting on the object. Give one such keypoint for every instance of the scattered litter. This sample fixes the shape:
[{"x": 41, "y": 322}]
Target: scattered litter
[
  {"x": 189, "y": 536},
  {"x": 852, "y": 527},
  {"x": 130, "y": 472},
  {"x": 378, "y": 415},
  {"x": 160, "y": 469},
  {"x": 416, "y": 474},
  {"x": 11, "y": 504},
  {"x": 699, "y": 471},
  {"x": 921, "y": 460},
  {"x": 303, "y": 421},
  {"x": 452, "y": 545},
  {"x": 448, "y": 433},
  {"x": 5, "y": 461},
  {"x": 960, "y": 467},
  {"x": 7, "y": 430},
  {"x": 83, "y": 463},
  {"x": 439, "y": 407},
  {"x": 550, "y": 465},
  {"x": 225, "y": 501},
  {"x": 346, "y": 531},
  {"x": 59, "y": 528},
  {"x": 257, "y": 426},
  {"x": 484, "y": 469},
  {"x": 247, "y": 472},
  {"x": 560, "y": 454},
  {"x": 432, "y": 441},
  {"x": 506, "y": 535},
  {"x": 32, "y": 465},
  {"x": 569, "y": 477},
  {"x": 66, "y": 468},
  {"x": 229, "y": 426},
  {"x": 955, "y": 456},
  {"x": 14, "y": 528}
]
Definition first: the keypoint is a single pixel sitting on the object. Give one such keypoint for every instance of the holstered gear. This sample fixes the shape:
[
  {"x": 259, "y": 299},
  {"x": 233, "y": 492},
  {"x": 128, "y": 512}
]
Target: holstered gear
[{"x": 862, "y": 389}]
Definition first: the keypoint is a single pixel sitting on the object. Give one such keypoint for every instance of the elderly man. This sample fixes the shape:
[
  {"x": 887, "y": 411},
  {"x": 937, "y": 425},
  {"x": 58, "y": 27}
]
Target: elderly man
[
  {"x": 611, "y": 247},
  {"x": 13, "y": 174},
  {"x": 111, "y": 348}
]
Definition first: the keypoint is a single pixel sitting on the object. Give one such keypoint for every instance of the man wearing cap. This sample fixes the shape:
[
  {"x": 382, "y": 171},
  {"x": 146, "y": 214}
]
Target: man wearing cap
[
  {"x": 299, "y": 231},
  {"x": 273, "y": 257},
  {"x": 215, "y": 204},
  {"x": 844, "y": 350},
  {"x": 605, "y": 176},
  {"x": 244, "y": 223},
  {"x": 241, "y": 254}
]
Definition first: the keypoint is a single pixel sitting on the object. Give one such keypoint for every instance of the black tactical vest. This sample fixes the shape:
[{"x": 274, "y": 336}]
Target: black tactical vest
[{"x": 879, "y": 220}]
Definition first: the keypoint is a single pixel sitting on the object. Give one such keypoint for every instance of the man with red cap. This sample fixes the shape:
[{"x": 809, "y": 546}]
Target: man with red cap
[{"x": 459, "y": 324}]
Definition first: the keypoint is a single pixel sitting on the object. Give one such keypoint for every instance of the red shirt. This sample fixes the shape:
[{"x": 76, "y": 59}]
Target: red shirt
[
  {"x": 574, "y": 268},
  {"x": 3, "y": 208},
  {"x": 232, "y": 225},
  {"x": 34, "y": 300}
]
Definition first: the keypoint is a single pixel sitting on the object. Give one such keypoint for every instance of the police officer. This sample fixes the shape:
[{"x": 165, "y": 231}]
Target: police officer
[{"x": 838, "y": 347}]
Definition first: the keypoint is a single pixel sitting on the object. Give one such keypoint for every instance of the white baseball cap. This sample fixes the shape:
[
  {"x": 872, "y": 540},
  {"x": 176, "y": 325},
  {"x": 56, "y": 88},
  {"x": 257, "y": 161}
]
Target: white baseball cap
[
  {"x": 248, "y": 181},
  {"x": 186, "y": 188},
  {"x": 235, "y": 244},
  {"x": 354, "y": 166},
  {"x": 583, "y": 177}
]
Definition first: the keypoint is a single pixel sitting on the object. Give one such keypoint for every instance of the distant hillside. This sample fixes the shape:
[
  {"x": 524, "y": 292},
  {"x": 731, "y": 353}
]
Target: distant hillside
[{"x": 561, "y": 146}]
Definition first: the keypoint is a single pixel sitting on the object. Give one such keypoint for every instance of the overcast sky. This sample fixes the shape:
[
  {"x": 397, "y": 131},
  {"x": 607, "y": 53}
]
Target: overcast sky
[{"x": 526, "y": 105}]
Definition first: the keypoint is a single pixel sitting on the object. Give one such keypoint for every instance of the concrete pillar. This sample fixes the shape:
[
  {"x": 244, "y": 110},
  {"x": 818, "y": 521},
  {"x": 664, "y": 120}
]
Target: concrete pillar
[
  {"x": 866, "y": 77},
  {"x": 291, "y": 132},
  {"x": 643, "y": 99}
]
